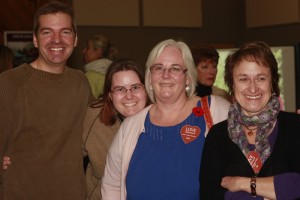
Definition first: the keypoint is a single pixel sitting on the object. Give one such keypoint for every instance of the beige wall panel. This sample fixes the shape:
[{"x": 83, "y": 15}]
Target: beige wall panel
[
  {"x": 172, "y": 13},
  {"x": 107, "y": 13},
  {"x": 271, "y": 12}
]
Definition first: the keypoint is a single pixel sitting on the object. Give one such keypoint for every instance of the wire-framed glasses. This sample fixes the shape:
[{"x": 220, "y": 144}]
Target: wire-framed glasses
[
  {"x": 175, "y": 69},
  {"x": 134, "y": 89}
]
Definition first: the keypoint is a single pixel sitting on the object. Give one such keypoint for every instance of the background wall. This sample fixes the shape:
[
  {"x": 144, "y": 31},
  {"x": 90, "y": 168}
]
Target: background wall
[{"x": 223, "y": 24}]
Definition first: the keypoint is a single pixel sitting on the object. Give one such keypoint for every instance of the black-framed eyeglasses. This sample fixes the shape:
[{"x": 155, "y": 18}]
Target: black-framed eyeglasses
[
  {"x": 134, "y": 89},
  {"x": 175, "y": 70}
]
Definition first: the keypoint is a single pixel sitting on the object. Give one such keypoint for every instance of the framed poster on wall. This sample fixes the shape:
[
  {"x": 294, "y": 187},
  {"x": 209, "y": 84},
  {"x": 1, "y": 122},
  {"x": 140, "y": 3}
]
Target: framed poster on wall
[{"x": 20, "y": 42}]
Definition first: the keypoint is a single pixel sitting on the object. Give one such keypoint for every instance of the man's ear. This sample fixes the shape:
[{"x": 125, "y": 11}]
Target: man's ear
[
  {"x": 76, "y": 40},
  {"x": 35, "y": 43}
]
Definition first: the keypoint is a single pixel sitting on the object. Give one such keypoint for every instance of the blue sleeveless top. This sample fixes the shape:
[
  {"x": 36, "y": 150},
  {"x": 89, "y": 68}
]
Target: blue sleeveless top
[{"x": 166, "y": 161}]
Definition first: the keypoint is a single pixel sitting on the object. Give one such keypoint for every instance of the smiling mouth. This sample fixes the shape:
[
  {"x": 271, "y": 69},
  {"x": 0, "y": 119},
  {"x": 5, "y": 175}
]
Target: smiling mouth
[
  {"x": 167, "y": 84},
  {"x": 130, "y": 104},
  {"x": 254, "y": 97},
  {"x": 56, "y": 49}
]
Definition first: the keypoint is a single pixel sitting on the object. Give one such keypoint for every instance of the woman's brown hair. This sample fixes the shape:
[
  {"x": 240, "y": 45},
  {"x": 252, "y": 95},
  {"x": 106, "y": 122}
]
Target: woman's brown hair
[
  {"x": 258, "y": 52},
  {"x": 108, "y": 114}
]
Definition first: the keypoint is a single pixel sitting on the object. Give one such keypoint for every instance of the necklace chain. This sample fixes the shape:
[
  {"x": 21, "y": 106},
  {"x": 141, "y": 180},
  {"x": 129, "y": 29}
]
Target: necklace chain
[{"x": 250, "y": 130}]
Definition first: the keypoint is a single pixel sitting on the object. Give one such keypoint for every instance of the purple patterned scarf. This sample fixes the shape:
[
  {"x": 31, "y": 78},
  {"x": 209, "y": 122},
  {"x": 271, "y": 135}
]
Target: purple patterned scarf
[{"x": 264, "y": 122}]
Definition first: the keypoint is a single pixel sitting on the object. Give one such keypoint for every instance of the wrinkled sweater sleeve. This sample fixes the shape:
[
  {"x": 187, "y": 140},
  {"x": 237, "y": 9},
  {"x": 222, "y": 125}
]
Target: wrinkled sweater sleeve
[
  {"x": 9, "y": 87},
  {"x": 287, "y": 186}
]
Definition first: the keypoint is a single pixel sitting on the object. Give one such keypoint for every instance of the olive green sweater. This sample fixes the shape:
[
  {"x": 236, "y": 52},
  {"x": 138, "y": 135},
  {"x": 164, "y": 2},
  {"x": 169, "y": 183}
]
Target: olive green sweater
[{"x": 41, "y": 126}]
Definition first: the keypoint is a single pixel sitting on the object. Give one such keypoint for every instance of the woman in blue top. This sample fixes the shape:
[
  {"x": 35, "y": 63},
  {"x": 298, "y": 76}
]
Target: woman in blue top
[{"x": 156, "y": 153}]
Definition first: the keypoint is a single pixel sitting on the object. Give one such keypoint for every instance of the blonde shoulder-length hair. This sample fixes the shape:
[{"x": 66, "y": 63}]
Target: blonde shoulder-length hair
[{"x": 187, "y": 60}]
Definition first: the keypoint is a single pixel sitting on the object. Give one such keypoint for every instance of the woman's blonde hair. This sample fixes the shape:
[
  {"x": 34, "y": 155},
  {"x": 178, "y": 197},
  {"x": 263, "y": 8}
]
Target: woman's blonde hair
[{"x": 187, "y": 60}]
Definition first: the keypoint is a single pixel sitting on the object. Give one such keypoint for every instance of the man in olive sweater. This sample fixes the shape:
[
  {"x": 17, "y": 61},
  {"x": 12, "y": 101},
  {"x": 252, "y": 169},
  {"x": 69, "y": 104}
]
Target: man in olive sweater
[{"x": 42, "y": 108}]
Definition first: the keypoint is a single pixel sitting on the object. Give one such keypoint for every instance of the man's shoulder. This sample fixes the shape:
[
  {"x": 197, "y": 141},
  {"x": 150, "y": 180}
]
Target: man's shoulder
[
  {"x": 76, "y": 73},
  {"x": 14, "y": 75}
]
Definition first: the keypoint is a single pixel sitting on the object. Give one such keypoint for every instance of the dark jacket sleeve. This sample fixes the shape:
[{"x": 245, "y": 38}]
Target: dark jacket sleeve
[{"x": 211, "y": 166}]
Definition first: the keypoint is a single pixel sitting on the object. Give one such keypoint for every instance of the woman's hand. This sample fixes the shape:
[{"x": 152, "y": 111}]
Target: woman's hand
[
  {"x": 235, "y": 183},
  {"x": 264, "y": 186},
  {"x": 6, "y": 162}
]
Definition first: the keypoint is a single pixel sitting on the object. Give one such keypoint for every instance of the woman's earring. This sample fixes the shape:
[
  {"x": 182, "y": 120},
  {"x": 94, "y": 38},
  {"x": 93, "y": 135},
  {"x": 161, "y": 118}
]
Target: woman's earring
[{"x": 187, "y": 88}]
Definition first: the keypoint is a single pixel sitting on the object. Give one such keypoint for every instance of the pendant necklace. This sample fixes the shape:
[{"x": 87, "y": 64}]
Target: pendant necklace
[{"x": 250, "y": 130}]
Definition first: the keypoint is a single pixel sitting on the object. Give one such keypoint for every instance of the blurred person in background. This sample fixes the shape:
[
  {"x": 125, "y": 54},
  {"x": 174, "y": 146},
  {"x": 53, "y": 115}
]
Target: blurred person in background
[
  {"x": 98, "y": 55},
  {"x": 206, "y": 60}
]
